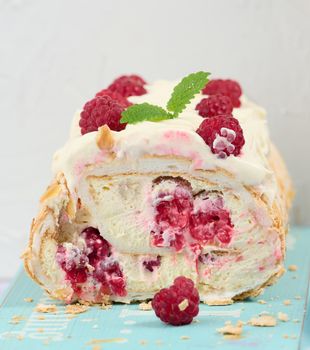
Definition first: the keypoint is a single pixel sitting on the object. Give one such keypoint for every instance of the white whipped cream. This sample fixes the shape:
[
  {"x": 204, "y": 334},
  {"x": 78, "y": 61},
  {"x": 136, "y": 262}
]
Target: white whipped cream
[{"x": 174, "y": 137}]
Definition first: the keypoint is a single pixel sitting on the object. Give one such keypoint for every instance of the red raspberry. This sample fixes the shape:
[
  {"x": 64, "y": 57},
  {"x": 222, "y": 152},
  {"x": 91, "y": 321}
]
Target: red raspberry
[
  {"x": 115, "y": 96},
  {"x": 74, "y": 263},
  {"x": 214, "y": 105},
  {"x": 100, "y": 111},
  {"x": 172, "y": 209},
  {"x": 110, "y": 274},
  {"x": 128, "y": 85},
  {"x": 227, "y": 87},
  {"x": 97, "y": 254},
  {"x": 107, "y": 270},
  {"x": 151, "y": 264},
  {"x": 223, "y": 134},
  {"x": 178, "y": 304},
  {"x": 97, "y": 247},
  {"x": 211, "y": 222}
]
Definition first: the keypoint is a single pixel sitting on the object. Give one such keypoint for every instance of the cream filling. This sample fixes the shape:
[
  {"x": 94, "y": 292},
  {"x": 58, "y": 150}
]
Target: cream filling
[
  {"x": 228, "y": 275},
  {"x": 122, "y": 208}
]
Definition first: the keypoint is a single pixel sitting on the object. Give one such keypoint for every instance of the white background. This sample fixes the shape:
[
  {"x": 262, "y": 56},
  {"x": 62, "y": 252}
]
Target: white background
[{"x": 54, "y": 55}]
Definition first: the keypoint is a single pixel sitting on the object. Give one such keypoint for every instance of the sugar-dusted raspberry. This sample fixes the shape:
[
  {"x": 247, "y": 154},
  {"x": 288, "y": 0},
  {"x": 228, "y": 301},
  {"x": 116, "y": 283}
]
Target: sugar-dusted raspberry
[
  {"x": 210, "y": 222},
  {"x": 150, "y": 264},
  {"x": 128, "y": 85},
  {"x": 178, "y": 304},
  {"x": 227, "y": 87},
  {"x": 214, "y": 105},
  {"x": 172, "y": 201},
  {"x": 109, "y": 273},
  {"x": 115, "y": 96},
  {"x": 97, "y": 247},
  {"x": 223, "y": 134},
  {"x": 106, "y": 268},
  {"x": 94, "y": 260},
  {"x": 73, "y": 261},
  {"x": 99, "y": 111}
]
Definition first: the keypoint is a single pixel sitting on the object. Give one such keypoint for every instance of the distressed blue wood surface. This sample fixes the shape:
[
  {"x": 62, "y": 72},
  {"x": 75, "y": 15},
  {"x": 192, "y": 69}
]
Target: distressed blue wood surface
[{"x": 136, "y": 329}]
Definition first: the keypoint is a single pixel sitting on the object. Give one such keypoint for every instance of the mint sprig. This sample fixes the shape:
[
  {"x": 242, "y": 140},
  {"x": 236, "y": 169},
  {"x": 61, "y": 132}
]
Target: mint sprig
[
  {"x": 184, "y": 92},
  {"x": 181, "y": 96},
  {"x": 144, "y": 111}
]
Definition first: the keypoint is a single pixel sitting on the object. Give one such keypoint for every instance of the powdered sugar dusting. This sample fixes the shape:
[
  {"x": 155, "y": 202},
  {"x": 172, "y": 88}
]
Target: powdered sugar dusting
[{"x": 224, "y": 142}]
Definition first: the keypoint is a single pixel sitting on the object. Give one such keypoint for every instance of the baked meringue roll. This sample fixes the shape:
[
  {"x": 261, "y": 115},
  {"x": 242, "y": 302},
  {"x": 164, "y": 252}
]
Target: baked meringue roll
[{"x": 133, "y": 206}]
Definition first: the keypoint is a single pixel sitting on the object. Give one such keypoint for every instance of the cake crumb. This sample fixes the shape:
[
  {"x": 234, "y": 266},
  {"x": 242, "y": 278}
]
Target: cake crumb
[
  {"x": 287, "y": 302},
  {"x": 107, "y": 340},
  {"x": 218, "y": 302},
  {"x": 261, "y": 301},
  {"x": 293, "y": 268},
  {"x": 145, "y": 306},
  {"x": 41, "y": 317},
  {"x": 143, "y": 342},
  {"x": 40, "y": 330},
  {"x": 231, "y": 330},
  {"x": 286, "y": 336},
  {"x": 106, "y": 303},
  {"x": 184, "y": 337},
  {"x": 159, "y": 342},
  {"x": 16, "y": 319},
  {"x": 71, "y": 316},
  {"x": 295, "y": 320},
  {"x": 28, "y": 300},
  {"x": 46, "y": 341},
  {"x": 96, "y": 347},
  {"x": 76, "y": 309},
  {"x": 232, "y": 337},
  {"x": 46, "y": 308},
  {"x": 183, "y": 305},
  {"x": 263, "y": 321},
  {"x": 298, "y": 297},
  {"x": 20, "y": 337},
  {"x": 282, "y": 317},
  {"x": 106, "y": 306}
]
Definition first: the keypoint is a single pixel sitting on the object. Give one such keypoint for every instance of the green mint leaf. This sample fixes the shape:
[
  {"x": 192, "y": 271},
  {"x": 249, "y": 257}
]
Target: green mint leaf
[
  {"x": 185, "y": 91},
  {"x": 182, "y": 94},
  {"x": 144, "y": 112}
]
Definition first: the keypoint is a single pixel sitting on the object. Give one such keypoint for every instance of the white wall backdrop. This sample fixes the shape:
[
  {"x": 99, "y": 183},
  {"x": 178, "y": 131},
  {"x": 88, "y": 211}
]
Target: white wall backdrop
[{"x": 55, "y": 54}]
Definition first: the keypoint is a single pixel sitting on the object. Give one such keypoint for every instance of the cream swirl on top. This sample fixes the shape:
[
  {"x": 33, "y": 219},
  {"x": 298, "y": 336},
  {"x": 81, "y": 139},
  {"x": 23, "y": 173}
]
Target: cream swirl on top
[{"x": 175, "y": 137}]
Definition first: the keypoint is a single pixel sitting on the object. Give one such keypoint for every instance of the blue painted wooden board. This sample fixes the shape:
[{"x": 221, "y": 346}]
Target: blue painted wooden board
[{"x": 136, "y": 329}]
